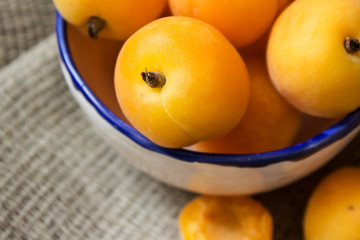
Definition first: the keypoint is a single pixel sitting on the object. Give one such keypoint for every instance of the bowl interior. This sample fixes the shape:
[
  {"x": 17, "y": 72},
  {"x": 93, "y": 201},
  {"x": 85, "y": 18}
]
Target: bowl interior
[
  {"x": 95, "y": 61},
  {"x": 91, "y": 66}
]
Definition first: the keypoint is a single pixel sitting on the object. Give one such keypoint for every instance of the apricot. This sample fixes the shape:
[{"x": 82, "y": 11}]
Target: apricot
[
  {"x": 179, "y": 80},
  {"x": 333, "y": 210},
  {"x": 269, "y": 123},
  {"x": 218, "y": 218},
  {"x": 242, "y": 22},
  {"x": 108, "y": 18},
  {"x": 258, "y": 47},
  {"x": 283, "y": 4},
  {"x": 313, "y": 56}
]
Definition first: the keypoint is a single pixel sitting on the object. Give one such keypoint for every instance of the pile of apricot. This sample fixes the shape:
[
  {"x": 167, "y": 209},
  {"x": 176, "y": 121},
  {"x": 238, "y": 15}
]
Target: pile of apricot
[{"x": 227, "y": 76}]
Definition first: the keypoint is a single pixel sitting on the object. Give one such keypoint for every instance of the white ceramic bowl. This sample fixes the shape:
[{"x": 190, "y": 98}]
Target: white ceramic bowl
[{"x": 198, "y": 172}]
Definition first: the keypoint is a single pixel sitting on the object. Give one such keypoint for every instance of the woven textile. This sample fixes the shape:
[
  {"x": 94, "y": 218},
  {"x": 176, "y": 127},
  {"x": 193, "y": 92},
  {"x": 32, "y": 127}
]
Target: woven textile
[
  {"x": 59, "y": 180},
  {"x": 23, "y": 24}
]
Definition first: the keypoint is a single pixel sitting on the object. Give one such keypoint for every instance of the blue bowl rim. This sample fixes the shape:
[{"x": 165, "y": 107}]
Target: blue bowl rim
[{"x": 293, "y": 153}]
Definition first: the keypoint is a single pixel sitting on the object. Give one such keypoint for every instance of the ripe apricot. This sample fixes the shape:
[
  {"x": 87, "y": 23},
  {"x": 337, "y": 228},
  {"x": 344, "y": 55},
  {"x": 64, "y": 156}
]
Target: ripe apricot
[
  {"x": 230, "y": 218},
  {"x": 333, "y": 210},
  {"x": 242, "y": 22},
  {"x": 206, "y": 85},
  {"x": 313, "y": 56},
  {"x": 269, "y": 123},
  {"x": 110, "y": 19}
]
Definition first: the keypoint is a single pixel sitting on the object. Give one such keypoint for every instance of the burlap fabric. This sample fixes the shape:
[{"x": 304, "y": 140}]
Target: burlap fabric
[{"x": 59, "y": 180}]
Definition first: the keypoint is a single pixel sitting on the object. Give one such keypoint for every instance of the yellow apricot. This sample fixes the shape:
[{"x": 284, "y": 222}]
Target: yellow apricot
[
  {"x": 313, "y": 56},
  {"x": 269, "y": 123},
  {"x": 333, "y": 210},
  {"x": 230, "y": 218},
  {"x": 121, "y": 18},
  {"x": 206, "y": 86},
  {"x": 242, "y": 22}
]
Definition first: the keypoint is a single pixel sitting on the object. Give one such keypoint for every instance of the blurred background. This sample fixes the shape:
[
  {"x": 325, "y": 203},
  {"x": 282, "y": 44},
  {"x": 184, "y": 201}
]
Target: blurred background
[{"x": 59, "y": 180}]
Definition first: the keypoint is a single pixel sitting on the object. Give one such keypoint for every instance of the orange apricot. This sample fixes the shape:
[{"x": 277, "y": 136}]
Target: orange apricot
[
  {"x": 110, "y": 19},
  {"x": 230, "y": 218},
  {"x": 179, "y": 80},
  {"x": 258, "y": 47},
  {"x": 313, "y": 56},
  {"x": 242, "y": 22},
  {"x": 269, "y": 123},
  {"x": 333, "y": 209}
]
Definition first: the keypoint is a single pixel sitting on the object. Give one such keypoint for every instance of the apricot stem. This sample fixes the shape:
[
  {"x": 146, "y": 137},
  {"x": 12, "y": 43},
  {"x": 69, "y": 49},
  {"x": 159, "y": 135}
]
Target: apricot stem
[
  {"x": 352, "y": 45},
  {"x": 95, "y": 25},
  {"x": 153, "y": 79}
]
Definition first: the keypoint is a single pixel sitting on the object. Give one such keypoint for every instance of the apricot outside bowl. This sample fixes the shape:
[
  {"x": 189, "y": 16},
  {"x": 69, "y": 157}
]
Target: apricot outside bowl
[{"x": 87, "y": 66}]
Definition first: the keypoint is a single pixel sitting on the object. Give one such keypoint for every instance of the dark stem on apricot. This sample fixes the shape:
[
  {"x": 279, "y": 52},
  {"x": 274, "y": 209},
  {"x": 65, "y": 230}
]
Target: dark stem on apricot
[
  {"x": 153, "y": 79},
  {"x": 95, "y": 25},
  {"x": 352, "y": 45}
]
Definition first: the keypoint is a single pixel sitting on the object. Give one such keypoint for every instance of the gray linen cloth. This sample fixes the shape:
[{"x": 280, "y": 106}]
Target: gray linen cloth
[{"x": 59, "y": 180}]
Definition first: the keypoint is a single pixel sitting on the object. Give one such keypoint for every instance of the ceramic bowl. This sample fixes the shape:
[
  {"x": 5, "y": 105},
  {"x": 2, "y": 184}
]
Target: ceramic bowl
[{"x": 88, "y": 65}]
